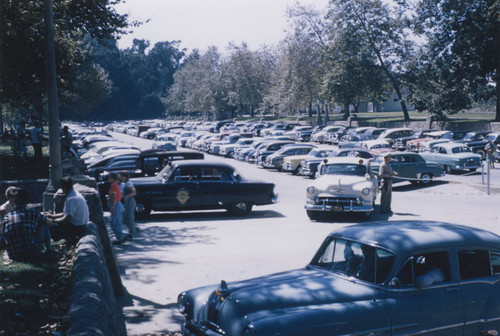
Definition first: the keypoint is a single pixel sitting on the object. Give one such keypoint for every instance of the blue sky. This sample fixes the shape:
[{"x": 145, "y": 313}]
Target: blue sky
[{"x": 202, "y": 23}]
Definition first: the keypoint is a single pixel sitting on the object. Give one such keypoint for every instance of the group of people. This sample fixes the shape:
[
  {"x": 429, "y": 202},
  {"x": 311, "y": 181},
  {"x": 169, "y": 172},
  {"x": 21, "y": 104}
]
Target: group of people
[
  {"x": 21, "y": 137},
  {"x": 26, "y": 233},
  {"x": 121, "y": 204}
]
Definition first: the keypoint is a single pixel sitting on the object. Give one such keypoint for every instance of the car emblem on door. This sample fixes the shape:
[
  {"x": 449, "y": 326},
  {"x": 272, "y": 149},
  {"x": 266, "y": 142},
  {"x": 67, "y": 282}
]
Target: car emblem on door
[{"x": 182, "y": 196}]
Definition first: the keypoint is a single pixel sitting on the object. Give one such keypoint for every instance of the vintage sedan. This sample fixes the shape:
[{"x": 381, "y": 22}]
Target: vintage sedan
[
  {"x": 292, "y": 163},
  {"x": 275, "y": 160},
  {"x": 379, "y": 278},
  {"x": 200, "y": 185},
  {"x": 453, "y": 156},
  {"x": 345, "y": 184},
  {"x": 410, "y": 167}
]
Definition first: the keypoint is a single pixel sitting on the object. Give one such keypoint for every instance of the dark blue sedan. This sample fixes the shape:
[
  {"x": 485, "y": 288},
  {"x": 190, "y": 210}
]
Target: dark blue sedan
[{"x": 379, "y": 278}]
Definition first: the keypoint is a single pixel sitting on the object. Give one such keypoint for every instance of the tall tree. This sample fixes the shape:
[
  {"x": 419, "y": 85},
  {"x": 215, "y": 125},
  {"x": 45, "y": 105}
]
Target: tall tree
[
  {"x": 22, "y": 77},
  {"x": 383, "y": 30},
  {"x": 461, "y": 58}
]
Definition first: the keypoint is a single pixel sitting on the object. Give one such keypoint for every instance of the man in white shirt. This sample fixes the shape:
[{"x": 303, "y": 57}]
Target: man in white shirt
[{"x": 70, "y": 224}]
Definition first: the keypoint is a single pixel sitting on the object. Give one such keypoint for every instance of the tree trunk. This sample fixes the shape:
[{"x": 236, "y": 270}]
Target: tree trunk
[
  {"x": 318, "y": 116},
  {"x": 309, "y": 109},
  {"x": 327, "y": 117}
]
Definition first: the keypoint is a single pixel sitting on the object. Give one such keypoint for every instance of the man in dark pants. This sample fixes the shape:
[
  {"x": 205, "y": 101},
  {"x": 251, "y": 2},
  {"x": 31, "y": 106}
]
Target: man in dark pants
[
  {"x": 36, "y": 134},
  {"x": 386, "y": 173}
]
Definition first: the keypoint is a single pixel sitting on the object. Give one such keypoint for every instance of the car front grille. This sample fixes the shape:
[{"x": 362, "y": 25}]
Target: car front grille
[{"x": 338, "y": 200}]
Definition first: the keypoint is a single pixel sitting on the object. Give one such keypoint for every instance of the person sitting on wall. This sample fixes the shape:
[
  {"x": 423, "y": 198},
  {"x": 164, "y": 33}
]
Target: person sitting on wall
[
  {"x": 26, "y": 231},
  {"x": 70, "y": 224}
]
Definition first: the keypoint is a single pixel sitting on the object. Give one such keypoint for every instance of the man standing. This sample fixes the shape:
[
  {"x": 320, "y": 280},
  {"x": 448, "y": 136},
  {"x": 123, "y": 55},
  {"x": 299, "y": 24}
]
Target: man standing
[
  {"x": 36, "y": 134},
  {"x": 386, "y": 173},
  {"x": 490, "y": 149},
  {"x": 70, "y": 224},
  {"x": 25, "y": 231},
  {"x": 128, "y": 192}
]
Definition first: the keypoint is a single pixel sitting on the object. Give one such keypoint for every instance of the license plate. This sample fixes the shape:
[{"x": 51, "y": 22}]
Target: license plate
[{"x": 338, "y": 209}]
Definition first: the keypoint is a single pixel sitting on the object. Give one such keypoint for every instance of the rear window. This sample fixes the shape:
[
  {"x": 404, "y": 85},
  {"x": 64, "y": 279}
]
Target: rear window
[{"x": 478, "y": 263}]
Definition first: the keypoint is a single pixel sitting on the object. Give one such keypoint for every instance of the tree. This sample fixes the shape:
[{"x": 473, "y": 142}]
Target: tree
[
  {"x": 22, "y": 77},
  {"x": 245, "y": 79},
  {"x": 460, "y": 60},
  {"x": 382, "y": 30}
]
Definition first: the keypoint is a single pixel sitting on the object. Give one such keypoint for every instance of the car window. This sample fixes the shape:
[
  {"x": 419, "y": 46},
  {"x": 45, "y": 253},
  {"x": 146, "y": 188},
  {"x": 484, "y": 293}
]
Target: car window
[
  {"x": 344, "y": 169},
  {"x": 423, "y": 270},
  {"x": 213, "y": 174},
  {"x": 151, "y": 163},
  {"x": 185, "y": 174},
  {"x": 463, "y": 149},
  {"x": 442, "y": 150},
  {"x": 355, "y": 259},
  {"x": 478, "y": 263}
]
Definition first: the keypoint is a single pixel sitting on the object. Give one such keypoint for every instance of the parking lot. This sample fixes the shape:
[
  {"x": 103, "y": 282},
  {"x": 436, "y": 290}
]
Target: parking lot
[{"x": 178, "y": 251}]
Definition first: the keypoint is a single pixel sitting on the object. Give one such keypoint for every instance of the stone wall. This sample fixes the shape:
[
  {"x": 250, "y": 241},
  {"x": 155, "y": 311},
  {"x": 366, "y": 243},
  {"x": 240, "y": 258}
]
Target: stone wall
[{"x": 93, "y": 307}]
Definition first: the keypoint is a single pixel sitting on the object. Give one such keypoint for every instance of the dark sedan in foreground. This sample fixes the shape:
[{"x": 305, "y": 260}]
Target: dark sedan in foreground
[
  {"x": 379, "y": 278},
  {"x": 200, "y": 185}
]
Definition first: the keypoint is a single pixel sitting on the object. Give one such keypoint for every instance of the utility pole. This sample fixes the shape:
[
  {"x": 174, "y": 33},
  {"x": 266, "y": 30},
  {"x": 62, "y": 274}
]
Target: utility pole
[{"x": 55, "y": 165}]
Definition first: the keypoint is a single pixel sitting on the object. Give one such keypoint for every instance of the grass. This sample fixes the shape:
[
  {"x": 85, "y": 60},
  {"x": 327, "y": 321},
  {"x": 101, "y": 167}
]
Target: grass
[
  {"x": 13, "y": 168},
  {"x": 34, "y": 297}
]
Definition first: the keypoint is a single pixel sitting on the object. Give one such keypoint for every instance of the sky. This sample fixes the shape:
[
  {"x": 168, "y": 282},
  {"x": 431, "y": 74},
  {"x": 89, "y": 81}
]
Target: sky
[{"x": 203, "y": 23}]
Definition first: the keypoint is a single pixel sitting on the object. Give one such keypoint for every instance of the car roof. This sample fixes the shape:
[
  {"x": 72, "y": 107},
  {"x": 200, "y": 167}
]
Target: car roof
[
  {"x": 404, "y": 236},
  {"x": 451, "y": 144},
  {"x": 201, "y": 163},
  {"x": 346, "y": 159}
]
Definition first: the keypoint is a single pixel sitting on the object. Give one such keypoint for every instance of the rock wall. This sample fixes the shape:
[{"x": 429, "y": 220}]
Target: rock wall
[{"x": 93, "y": 307}]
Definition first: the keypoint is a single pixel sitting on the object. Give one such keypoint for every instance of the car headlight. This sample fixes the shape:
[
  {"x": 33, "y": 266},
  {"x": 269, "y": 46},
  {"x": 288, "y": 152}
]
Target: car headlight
[
  {"x": 249, "y": 330},
  {"x": 311, "y": 190},
  {"x": 366, "y": 191},
  {"x": 181, "y": 303}
]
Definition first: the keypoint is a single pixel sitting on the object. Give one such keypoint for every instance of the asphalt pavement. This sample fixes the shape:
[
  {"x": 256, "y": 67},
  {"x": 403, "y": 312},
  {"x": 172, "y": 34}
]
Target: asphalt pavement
[{"x": 176, "y": 251}]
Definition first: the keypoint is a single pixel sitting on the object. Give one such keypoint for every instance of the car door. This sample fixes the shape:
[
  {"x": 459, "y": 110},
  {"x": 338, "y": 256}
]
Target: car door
[
  {"x": 426, "y": 296},
  {"x": 180, "y": 191},
  {"x": 403, "y": 165},
  {"x": 216, "y": 186},
  {"x": 480, "y": 289}
]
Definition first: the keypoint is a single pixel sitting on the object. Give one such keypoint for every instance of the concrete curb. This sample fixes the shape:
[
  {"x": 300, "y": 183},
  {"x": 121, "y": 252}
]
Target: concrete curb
[{"x": 93, "y": 307}]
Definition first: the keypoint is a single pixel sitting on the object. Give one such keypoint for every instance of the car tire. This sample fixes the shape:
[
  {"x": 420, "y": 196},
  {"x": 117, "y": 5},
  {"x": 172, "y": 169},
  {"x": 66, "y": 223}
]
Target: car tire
[
  {"x": 425, "y": 178},
  {"x": 448, "y": 169},
  {"x": 472, "y": 169},
  {"x": 230, "y": 155},
  {"x": 142, "y": 208},
  {"x": 313, "y": 215},
  {"x": 240, "y": 208},
  {"x": 296, "y": 171},
  {"x": 482, "y": 153}
]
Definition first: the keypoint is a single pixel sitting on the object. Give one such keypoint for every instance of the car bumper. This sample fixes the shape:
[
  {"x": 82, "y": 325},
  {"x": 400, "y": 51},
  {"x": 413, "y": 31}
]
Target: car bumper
[
  {"x": 288, "y": 167},
  {"x": 339, "y": 204},
  {"x": 339, "y": 208},
  {"x": 191, "y": 328}
]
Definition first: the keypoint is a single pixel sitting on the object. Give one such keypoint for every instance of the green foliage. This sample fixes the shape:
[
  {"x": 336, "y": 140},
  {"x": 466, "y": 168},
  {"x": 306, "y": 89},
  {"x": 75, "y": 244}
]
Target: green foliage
[
  {"x": 22, "y": 75},
  {"x": 460, "y": 59}
]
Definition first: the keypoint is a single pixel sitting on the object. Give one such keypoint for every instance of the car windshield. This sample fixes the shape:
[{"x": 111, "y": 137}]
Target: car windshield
[
  {"x": 320, "y": 152},
  {"x": 355, "y": 259},
  {"x": 344, "y": 169},
  {"x": 469, "y": 137},
  {"x": 463, "y": 149}
]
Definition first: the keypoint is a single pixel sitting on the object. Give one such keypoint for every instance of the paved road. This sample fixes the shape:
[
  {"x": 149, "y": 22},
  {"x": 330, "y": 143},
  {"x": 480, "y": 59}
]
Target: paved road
[{"x": 178, "y": 251}]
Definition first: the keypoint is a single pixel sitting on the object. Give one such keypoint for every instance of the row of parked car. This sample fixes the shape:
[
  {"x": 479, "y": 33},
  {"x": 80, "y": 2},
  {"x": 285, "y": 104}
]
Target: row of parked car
[{"x": 401, "y": 277}]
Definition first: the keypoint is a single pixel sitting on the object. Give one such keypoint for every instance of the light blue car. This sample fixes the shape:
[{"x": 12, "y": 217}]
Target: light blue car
[{"x": 453, "y": 156}]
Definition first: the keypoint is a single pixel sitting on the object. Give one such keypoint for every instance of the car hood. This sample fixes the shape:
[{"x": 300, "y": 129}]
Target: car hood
[
  {"x": 325, "y": 181},
  {"x": 288, "y": 292}
]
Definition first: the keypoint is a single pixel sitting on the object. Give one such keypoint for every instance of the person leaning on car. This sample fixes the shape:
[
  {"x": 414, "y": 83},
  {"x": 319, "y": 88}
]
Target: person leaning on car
[{"x": 386, "y": 173}]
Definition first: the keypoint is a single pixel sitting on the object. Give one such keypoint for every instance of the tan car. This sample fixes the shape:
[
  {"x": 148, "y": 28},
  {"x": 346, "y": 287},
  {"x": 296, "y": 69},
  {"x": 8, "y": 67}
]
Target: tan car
[{"x": 291, "y": 164}]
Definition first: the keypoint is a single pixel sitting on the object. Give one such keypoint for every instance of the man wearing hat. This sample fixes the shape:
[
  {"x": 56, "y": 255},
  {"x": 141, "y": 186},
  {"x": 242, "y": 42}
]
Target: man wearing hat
[{"x": 386, "y": 173}]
